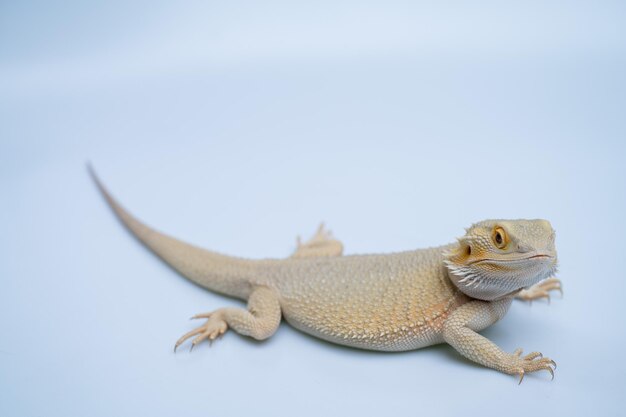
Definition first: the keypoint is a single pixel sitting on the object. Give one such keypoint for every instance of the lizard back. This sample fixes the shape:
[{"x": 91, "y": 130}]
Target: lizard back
[{"x": 390, "y": 302}]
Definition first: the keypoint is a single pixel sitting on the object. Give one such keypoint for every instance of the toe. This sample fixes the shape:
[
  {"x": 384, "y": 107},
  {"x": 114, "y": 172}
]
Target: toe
[
  {"x": 187, "y": 336},
  {"x": 199, "y": 339},
  {"x": 533, "y": 355},
  {"x": 202, "y": 315}
]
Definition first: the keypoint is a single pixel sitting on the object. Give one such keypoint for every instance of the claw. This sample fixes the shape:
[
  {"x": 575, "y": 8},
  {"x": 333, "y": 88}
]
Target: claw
[
  {"x": 532, "y": 362},
  {"x": 186, "y": 336}
]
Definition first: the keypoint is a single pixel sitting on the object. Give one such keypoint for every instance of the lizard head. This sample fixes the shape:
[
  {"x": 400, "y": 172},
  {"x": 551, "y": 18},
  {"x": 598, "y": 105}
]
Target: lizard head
[{"x": 499, "y": 257}]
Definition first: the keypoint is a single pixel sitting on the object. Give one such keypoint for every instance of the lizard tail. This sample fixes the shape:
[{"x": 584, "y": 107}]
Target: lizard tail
[{"x": 220, "y": 273}]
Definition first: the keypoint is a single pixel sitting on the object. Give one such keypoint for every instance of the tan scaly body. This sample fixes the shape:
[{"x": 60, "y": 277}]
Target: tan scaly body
[{"x": 389, "y": 302}]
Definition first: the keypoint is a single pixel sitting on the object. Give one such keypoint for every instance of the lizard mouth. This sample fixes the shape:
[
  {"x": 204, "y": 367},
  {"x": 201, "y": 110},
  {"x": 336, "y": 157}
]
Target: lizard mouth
[{"x": 513, "y": 260}]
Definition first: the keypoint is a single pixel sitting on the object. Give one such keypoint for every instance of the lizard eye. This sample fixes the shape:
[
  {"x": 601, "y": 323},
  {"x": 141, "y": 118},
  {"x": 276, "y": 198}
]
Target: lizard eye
[{"x": 499, "y": 237}]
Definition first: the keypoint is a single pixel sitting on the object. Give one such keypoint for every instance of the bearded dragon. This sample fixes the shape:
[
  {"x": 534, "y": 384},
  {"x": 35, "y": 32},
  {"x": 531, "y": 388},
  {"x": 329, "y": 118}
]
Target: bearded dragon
[{"x": 385, "y": 302}]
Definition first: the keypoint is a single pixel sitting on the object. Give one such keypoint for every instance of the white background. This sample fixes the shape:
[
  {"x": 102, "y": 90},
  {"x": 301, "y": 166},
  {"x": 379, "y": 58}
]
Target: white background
[{"x": 238, "y": 126}]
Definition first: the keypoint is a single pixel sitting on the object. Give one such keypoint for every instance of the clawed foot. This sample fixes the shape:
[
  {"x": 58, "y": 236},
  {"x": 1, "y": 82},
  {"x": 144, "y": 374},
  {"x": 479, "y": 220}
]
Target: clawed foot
[
  {"x": 321, "y": 236},
  {"x": 541, "y": 290},
  {"x": 211, "y": 330},
  {"x": 321, "y": 244},
  {"x": 532, "y": 362}
]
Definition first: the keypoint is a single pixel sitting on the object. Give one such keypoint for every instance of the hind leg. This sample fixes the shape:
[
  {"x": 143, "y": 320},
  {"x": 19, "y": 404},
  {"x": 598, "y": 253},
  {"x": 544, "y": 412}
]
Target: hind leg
[
  {"x": 320, "y": 245},
  {"x": 259, "y": 321}
]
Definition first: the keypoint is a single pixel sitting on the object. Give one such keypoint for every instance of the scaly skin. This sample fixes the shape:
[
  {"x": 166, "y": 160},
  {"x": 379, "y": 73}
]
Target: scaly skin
[{"x": 389, "y": 302}]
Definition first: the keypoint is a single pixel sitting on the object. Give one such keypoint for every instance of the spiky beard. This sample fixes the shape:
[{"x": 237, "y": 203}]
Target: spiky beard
[{"x": 489, "y": 283}]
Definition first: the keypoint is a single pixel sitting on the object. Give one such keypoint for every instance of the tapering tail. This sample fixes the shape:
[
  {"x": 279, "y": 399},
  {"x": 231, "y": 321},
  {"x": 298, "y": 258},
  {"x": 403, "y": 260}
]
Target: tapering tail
[{"x": 220, "y": 273}]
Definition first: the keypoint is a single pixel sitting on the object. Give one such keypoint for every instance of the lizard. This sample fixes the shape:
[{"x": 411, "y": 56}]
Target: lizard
[{"x": 386, "y": 302}]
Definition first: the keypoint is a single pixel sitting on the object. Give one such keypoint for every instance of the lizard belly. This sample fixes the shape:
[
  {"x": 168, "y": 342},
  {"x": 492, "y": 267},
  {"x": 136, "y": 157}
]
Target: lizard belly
[{"x": 408, "y": 336}]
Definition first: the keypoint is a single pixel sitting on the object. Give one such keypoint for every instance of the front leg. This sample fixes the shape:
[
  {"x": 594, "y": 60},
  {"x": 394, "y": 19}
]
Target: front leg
[
  {"x": 541, "y": 290},
  {"x": 460, "y": 332},
  {"x": 260, "y": 321}
]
